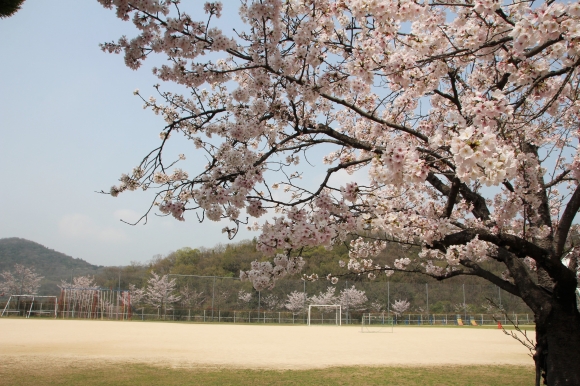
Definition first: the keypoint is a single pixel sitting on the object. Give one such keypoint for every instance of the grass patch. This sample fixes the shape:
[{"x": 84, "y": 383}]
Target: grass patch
[{"x": 142, "y": 374}]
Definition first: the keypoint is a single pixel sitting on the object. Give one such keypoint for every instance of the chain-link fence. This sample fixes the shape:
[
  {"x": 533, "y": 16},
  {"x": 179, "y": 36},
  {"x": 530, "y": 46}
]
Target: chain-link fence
[
  {"x": 209, "y": 292},
  {"x": 226, "y": 299}
]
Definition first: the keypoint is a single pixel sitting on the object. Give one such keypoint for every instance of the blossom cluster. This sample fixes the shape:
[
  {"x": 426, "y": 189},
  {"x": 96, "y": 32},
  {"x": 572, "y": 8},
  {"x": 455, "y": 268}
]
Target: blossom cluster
[
  {"x": 398, "y": 165},
  {"x": 264, "y": 275},
  {"x": 21, "y": 281},
  {"x": 176, "y": 209},
  {"x": 464, "y": 117},
  {"x": 400, "y": 306}
]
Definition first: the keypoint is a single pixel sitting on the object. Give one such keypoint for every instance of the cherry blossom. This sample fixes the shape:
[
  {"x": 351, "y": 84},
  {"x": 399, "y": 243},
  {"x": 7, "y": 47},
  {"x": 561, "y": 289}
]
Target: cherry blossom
[
  {"x": 160, "y": 292},
  {"x": 462, "y": 117},
  {"x": 137, "y": 294},
  {"x": 244, "y": 297},
  {"x": 325, "y": 297},
  {"x": 400, "y": 306},
  {"x": 21, "y": 281},
  {"x": 296, "y": 302},
  {"x": 352, "y": 299},
  {"x": 190, "y": 297}
]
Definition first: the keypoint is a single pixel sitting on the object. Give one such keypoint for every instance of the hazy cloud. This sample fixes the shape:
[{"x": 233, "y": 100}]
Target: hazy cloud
[
  {"x": 81, "y": 226},
  {"x": 127, "y": 215}
]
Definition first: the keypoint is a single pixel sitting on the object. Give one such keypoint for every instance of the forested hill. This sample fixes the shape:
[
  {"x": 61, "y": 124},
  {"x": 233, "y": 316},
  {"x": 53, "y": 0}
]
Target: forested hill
[
  {"x": 53, "y": 265},
  {"x": 220, "y": 260}
]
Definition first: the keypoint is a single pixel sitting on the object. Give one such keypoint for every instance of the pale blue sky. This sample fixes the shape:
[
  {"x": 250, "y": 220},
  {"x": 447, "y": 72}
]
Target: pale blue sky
[{"x": 70, "y": 126}]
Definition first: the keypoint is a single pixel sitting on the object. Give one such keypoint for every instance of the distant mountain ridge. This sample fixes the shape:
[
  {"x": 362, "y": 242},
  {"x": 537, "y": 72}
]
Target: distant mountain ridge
[{"x": 54, "y": 266}]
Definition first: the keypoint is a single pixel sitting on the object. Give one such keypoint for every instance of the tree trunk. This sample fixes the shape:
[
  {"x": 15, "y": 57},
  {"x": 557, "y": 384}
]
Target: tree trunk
[{"x": 558, "y": 347}]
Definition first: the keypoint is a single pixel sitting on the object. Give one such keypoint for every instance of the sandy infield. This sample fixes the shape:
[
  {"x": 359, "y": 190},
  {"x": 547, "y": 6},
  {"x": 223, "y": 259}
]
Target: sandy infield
[{"x": 251, "y": 346}]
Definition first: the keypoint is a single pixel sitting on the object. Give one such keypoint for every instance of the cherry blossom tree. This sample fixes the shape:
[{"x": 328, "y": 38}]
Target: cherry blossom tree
[
  {"x": 352, "y": 299},
  {"x": 221, "y": 298},
  {"x": 296, "y": 302},
  {"x": 272, "y": 302},
  {"x": 80, "y": 283},
  {"x": 400, "y": 306},
  {"x": 160, "y": 292},
  {"x": 377, "y": 306},
  {"x": 244, "y": 297},
  {"x": 137, "y": 294},
  {"x": 449, "y": 126},
  {"x": 191, "y": 297},
  {"x": 21, "y": 281},
  {"x": 82, "y": 287},
  {"x": 327, "y": 297}
]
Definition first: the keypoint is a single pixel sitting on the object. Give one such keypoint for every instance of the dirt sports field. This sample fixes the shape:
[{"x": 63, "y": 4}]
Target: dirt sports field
[{"x": 251, "y": 346}]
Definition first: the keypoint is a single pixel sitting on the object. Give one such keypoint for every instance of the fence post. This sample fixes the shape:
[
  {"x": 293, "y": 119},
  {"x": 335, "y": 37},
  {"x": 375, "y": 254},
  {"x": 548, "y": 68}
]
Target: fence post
[
  {"x": 212, "y": 298},
  {"x": 388, "y": 298}
]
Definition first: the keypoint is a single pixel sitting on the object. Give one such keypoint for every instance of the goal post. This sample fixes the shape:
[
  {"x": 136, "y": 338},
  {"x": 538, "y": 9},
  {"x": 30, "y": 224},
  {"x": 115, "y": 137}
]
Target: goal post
[
  {"x": 376, "y": 323},
  {"x": 337, "y": 307},
  {"x": 30, "y": 305}
]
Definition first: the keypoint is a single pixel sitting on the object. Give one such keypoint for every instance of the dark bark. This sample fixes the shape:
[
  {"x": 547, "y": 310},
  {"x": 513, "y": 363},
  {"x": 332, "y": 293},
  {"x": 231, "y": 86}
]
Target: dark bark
[
  {"x": 554, "y": 305},
  {"x": 557, "y": 318},
  {"x": 558, "y": 345}
]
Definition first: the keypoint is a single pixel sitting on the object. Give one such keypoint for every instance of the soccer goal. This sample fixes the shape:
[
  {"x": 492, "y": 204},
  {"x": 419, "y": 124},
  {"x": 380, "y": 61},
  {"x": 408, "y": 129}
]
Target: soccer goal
[
  {"x": 376, "y": 323},
  {"x": 27, "y": 305},
  {"x": 337, "y": 313}
]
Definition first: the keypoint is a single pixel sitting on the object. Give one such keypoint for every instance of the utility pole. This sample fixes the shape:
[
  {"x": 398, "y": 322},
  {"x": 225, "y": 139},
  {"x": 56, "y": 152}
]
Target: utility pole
[
  {"x": 388, "y": 298},
  {"x": 427, "y": 289},
  {"x": 119, "y": 293},
  {"x": 212, "y": 298},
  {"x": 464, "y": 305}
]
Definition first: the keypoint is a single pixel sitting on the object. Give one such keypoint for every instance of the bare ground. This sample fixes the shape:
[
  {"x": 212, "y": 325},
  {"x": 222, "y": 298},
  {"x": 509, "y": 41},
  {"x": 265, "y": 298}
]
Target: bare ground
[{"x": 66, "y": 342}]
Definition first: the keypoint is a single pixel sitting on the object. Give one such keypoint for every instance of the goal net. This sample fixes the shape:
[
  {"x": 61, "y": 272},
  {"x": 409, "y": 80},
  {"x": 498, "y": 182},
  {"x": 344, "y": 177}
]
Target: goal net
[
  {"x": 31, "y": 305},
  {"x": 316, "y": 314},
  {"x": 376, "y": 323}
]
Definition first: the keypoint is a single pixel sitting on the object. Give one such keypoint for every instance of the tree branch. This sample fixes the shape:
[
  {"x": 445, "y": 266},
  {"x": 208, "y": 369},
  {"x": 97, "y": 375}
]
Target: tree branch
[
  {"x": 452, "y": 198},
  {"x": 566, "y": 221},
  {"x": 478, "y": 271}
]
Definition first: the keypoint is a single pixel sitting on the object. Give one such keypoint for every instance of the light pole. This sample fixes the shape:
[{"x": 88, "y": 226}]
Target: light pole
[
  {"x": 427, "y": 290},
  {"x": 464, "y": 306}
]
